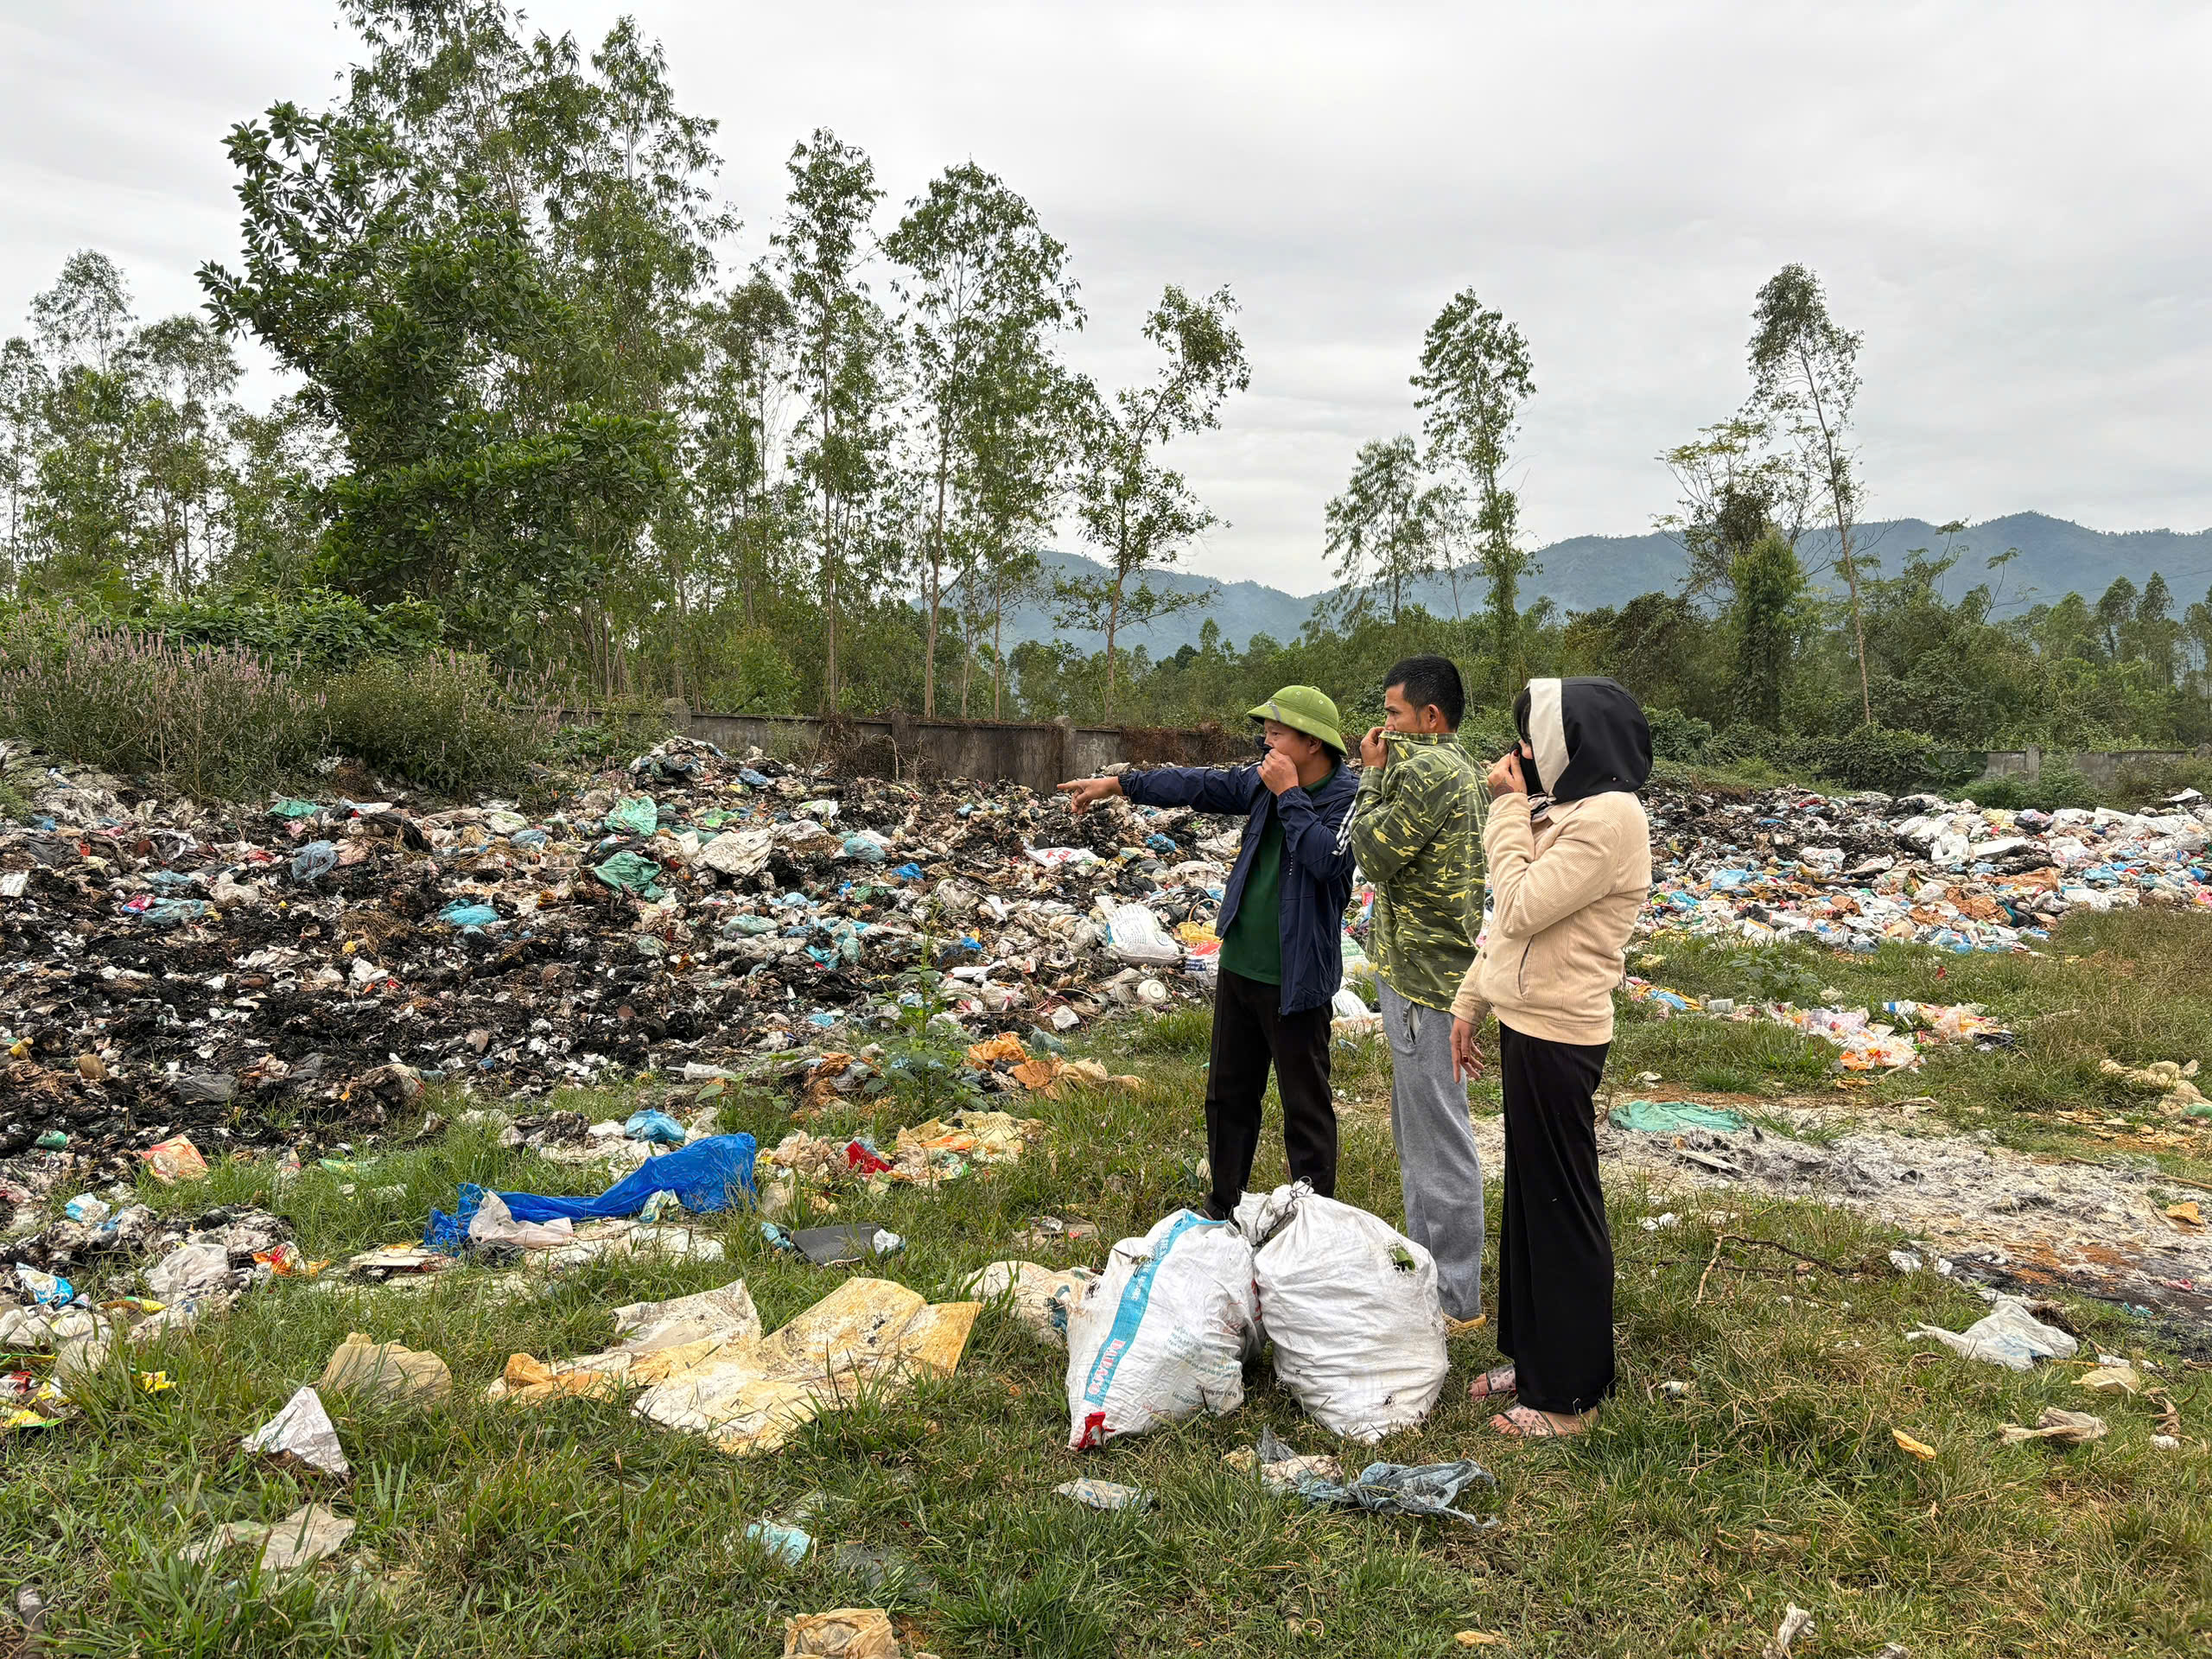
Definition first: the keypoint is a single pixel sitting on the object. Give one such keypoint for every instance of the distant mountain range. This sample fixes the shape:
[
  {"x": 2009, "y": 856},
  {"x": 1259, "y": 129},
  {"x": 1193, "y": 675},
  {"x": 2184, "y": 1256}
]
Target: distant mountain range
[{"x": 1585, "y": 572}]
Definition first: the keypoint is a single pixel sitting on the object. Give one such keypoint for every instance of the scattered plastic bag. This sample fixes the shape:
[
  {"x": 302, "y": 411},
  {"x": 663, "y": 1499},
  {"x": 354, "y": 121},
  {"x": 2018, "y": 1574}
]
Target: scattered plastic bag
[
  {"x": 313, "y": 862},
  {"x": 738, "y": 853},
  {"x": 1161, "y": 1335},
  {"x": 1672, "y": 1117},
  {"x": 1134, "y": 935},
  {"x": 303, "y": 1431},
  {"x": 841, "y": 1633},
  {"x": 462, "y": 915},
  {"x": 195, "y": 1269},
  {"x": 638, "y": 816},
  {"x": 386, "y": 1368},
  {"x": 629, "y": 873},
  {"x": 301, "y": 1539},
  {"x": 867, "y": 846},
  {"x": 1104, "y": 1495},
  {"x": 1041, "y": 1297},
  {"x": 1429, "y": 1489},
  {"x": 707, "y": 1176},
  {"x": 789, "y": 1545},
  {"x": 726, "y": 1314},
  {"x": 45, "y": 1289},
  {"x": 2059, "y": 1427},
  {"x": 1352, "y": 1306},
  {"x": 2010, "y": 1336},
  {"x": 176, "y": 1159},
  {"x": 657, "y": 1128}
]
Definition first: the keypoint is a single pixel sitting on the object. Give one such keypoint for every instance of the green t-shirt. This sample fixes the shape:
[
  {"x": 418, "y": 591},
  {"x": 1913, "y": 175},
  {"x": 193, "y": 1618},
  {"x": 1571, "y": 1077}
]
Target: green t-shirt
[{"x": 1253, "y": 945}]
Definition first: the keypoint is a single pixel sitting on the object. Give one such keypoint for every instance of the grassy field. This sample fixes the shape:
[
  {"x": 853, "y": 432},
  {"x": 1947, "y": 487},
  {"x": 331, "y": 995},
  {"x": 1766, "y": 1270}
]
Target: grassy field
[{"x": 1683, "y": 1526}]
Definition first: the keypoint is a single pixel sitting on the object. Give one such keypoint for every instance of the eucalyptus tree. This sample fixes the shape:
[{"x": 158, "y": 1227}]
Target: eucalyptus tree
[
  {"x": 1388, "y": 529},
  {"x": 1805, "y": 381},
  {"x": 1139, "y": 513},
  {"x": 842, "y": 341},
  {"x": 985, "y": 289},
  {"x": 1475, "y": 375}
]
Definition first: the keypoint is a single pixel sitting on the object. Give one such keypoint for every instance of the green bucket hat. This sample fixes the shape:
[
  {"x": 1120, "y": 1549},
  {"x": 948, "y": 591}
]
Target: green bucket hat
[{"x": 1304, "y": 708}]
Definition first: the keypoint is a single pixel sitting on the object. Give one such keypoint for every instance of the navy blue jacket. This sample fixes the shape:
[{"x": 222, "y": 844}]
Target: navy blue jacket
[{"x": 1317, "y": 862}]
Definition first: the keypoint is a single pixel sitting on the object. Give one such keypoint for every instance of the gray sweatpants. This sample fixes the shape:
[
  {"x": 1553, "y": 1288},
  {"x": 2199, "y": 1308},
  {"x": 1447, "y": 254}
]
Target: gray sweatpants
[{"x": 1438, "y": 1169}]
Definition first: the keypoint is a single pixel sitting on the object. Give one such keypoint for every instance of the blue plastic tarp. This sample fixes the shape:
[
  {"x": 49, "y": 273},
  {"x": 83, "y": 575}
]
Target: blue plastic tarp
[{"x": 706, "y": 1176}]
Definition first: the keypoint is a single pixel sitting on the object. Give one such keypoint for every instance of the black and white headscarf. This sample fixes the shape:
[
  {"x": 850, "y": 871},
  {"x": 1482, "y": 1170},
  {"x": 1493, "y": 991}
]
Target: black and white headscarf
[{"x": 1589, "y": 737}]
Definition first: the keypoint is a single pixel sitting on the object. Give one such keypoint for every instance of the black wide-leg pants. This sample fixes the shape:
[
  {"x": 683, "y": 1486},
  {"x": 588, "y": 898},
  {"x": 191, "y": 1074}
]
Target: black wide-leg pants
[
  {"x": 1554, "y": 1252},
  {"x": 1250, "y": 1032}
]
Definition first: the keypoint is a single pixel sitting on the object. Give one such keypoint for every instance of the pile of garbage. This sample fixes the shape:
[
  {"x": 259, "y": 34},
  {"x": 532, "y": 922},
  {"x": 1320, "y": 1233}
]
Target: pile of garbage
[
  {"x": 167, "y": 967},
  {"x": 1854, "y": 871},
  {"x": 192, "y": 1269},
  {"x": 1887, "y": 1038}
]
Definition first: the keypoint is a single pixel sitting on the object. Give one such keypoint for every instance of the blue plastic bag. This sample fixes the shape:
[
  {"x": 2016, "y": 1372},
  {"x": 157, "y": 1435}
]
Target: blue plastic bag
[
  {"x": 462, "y": 914},
  {"x": 706, "y": 1176},
  {"x": 316, "y": 859},
  {"x": 656, "y": 1127}
]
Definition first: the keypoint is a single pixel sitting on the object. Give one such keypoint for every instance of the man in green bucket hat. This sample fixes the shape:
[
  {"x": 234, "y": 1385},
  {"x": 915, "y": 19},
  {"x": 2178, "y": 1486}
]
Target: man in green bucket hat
[{"x": 1281, "y": 927}]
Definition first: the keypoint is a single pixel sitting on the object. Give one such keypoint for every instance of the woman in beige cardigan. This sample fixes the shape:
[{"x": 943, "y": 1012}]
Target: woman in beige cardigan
[{"x": 1568, "y": 851}]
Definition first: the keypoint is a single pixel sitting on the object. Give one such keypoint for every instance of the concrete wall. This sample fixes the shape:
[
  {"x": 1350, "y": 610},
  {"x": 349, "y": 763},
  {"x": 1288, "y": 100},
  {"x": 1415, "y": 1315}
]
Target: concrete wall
[
  {"x": 2101, "y": 767},
  {"x": 898, "y": 746}
]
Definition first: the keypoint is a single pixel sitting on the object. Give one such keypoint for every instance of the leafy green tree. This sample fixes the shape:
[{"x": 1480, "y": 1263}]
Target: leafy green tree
[
  {"x": 25, "y": 387},
  {"x": 738, "y": 515},
  {"x": 1736, "y": 490},
  {"x": 842, "y": 341},
  {"x": 1805, "y": 382},
  {"x": 986, "y": 287},
  {"x": 85, "y": 316},
  {"x": 1475, "y": 374},
  {"x": 1388, "y": 529},
  {"x": 1139, "y": 513},
  {"x": 2116, "y": 610},
  {"x": 400, "y": 313},
  {"x": 1769, "y": 587}
]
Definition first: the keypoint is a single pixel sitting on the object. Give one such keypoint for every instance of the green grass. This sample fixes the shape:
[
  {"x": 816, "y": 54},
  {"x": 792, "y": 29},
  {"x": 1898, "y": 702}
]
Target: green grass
[
  {"x": 2132, "y": 986},
  {"x": 1683, "y": 1526}
]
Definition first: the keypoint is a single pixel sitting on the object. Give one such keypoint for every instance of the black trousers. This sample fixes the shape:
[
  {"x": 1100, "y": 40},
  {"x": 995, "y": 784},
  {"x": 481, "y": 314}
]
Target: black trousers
[
  {"x": 1555, "y": 1251},
  {"x": 1250, "y": 1032}
]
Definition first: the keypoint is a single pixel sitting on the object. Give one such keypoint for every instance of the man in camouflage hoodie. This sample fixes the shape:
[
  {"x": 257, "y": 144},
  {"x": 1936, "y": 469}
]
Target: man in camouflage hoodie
[{"x": 1416, "y": 830}]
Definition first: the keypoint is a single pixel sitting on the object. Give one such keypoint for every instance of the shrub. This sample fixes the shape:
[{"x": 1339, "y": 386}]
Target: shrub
[
  {"x": 447, "y": 722},
  {"x": 318, "y": 629},
  {"x": 215, "y": 719},
  {"x": 221, "y": 723},
  {"x": 1678, "y": 736},
  {"x": 2058, "y": 786},
  {"x": 1874, "y": 757}
]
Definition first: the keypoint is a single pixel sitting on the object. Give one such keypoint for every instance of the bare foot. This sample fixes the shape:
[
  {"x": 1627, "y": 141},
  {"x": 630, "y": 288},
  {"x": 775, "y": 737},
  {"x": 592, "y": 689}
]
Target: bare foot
[
  {"x": 1499, "y": 1381},
  {"x": 1526, "y": 1423}
]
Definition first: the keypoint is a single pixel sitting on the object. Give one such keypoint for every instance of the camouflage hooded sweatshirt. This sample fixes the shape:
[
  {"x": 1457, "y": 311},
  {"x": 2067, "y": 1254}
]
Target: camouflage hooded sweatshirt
[{"x": 1416, "y": 830}]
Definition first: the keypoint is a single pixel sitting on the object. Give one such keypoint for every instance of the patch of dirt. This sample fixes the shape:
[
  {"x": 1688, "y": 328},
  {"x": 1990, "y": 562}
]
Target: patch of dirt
[{"x": 2000, "y": 1216}]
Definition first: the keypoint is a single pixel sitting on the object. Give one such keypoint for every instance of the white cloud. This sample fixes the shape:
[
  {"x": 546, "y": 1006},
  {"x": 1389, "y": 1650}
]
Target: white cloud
[{"x": 2002, "y": 198}]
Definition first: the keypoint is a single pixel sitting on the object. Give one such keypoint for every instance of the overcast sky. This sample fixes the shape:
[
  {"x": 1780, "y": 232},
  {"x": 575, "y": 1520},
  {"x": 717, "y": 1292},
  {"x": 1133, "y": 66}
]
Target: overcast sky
[{"x": 2008, "y": 200}]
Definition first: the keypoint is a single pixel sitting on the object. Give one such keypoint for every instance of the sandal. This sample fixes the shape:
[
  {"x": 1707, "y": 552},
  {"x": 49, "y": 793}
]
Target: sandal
[
  {"x": 1527, "y": 1423},
  {"x": 1497, "y": 1381}
]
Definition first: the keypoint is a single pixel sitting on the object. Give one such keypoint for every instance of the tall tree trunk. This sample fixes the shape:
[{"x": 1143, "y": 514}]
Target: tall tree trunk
[
  {"x": 967, "y": 645},
  {"x": 1113, "y": 626},
  {"x": 1857, "y": 620},
  {"x": 1839, "y": 493},
  {"x": 998, "y": 653},
  {"x": 937, "y": 576}
]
